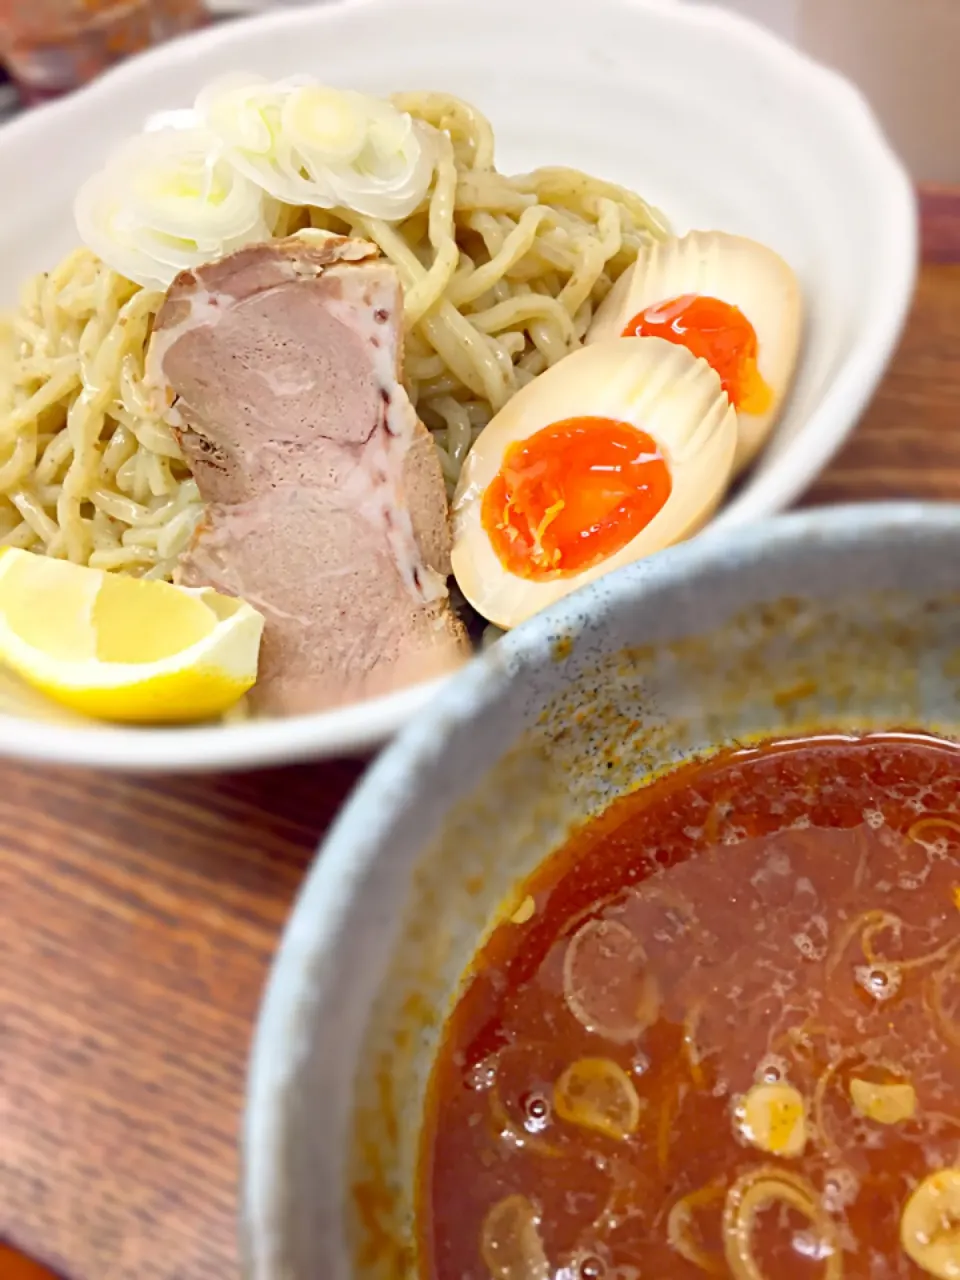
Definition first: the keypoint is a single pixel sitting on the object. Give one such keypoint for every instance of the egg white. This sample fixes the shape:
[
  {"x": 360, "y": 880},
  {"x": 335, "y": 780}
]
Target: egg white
[
  {"x": 656, "y": 386},
  {"x": 738, "y": 271}
]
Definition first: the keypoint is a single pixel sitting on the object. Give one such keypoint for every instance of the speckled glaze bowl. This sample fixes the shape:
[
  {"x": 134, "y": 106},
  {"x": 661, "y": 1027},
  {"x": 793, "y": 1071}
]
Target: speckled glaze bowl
[{"x": 831, "y": 619}]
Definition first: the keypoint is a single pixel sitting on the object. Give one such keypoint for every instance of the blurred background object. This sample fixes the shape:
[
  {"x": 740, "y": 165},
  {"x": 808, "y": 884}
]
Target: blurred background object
[
  {"x": 8, "y": 96},
  {"x": 52, "y": 46},
  {"x": 902, "y": 53}
]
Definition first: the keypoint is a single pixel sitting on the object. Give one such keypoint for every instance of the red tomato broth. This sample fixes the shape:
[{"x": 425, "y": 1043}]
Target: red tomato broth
[
  {"x": 719, "y": 333},
  {"x": 573, "y": 494},
  {"x": 742, "y": 878}
]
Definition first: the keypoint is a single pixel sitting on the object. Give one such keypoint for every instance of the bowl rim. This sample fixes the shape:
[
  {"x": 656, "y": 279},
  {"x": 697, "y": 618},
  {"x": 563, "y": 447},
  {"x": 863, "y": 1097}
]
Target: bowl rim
[
  {"x": 360, "y": 726},
  {"x": 359, "y": 837}
]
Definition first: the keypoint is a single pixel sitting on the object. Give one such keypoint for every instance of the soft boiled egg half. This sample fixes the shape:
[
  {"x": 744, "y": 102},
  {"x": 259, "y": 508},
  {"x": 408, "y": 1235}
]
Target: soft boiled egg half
[
  {"x": 730, "y": 300},
  {"x": 622, "y": 448}
]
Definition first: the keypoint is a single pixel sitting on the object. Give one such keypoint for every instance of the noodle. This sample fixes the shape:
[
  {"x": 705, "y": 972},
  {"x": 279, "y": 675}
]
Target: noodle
[
  {"x": 844, "y": 1060},
  {"x": 819, "y": 1097},
  {"x": 691, "y": 1024},
  {"x": 923, "y": 825},
  {"x": 501, "y": 278},
  {"x": 871, "y": 923},
  {"x": 84, "y": 462},
  {"x": 933, "y": 998},
  {"x": 759, "y": 1189},
  {"x": 670, "y": 1105},
  {"x": 893, "y": 923}
]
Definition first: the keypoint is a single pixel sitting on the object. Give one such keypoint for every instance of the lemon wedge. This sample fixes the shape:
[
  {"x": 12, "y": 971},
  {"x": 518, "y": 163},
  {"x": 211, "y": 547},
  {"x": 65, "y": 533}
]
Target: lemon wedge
[{"x": 120, "y": 648}]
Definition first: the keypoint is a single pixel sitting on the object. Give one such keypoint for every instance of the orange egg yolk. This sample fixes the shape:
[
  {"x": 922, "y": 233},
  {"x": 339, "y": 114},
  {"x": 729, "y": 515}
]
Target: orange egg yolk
[
  {"x": 573, "y": 494},
  {"x": 717, "y": 331}
]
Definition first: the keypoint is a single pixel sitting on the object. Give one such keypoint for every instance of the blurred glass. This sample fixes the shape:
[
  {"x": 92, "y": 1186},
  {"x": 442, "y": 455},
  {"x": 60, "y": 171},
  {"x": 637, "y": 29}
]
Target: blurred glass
[
  {"x": 903, "y": 54},
  {"x": 52, "y": 46}
]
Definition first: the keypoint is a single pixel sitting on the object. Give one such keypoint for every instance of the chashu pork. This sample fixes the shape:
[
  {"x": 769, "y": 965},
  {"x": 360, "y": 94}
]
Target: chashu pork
[{"x": 326, "y": 507}]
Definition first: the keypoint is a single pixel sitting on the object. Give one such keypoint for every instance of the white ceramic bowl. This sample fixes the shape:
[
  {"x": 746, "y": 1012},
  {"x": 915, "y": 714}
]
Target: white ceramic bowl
[
  {"x": 814, "y": 621},
  {"x": 714, "y": 120}
]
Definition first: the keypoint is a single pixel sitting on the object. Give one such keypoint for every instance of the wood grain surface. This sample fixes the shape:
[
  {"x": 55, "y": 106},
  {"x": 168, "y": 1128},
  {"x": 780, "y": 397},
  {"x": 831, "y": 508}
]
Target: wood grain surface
[{"x": 139, "y": 917}]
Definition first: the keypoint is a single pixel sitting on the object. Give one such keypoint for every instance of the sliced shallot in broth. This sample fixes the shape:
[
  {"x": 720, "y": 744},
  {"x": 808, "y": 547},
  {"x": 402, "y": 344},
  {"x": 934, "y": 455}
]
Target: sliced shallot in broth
[
  {"x": 606, "y": 983},
  {"x": 929, "y": 1230},
  {"x": 510, "y": 1241},
  {"x": 892, "y": 1103},
  {"x": 596, "y": 1093}
]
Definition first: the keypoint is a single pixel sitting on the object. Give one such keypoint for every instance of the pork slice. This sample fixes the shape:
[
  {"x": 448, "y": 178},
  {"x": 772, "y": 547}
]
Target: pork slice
[{"x": 326, "y": 507}]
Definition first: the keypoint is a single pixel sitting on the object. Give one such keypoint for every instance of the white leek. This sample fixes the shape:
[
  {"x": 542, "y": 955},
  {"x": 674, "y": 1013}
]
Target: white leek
[
  {"x": 167, "y": 201},
  {"x": 307, "y": 144}
]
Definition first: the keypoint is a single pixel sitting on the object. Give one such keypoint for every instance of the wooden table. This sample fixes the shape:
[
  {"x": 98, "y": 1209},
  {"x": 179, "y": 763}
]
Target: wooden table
[{"x": 139, "y": 917}]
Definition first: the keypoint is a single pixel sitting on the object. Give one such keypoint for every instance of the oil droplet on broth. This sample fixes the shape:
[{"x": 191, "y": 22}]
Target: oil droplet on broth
[
  {"x": 772, "y": 1069},
  {"x": 880, "y": 981},
  {"x": 811, "y": 1246},
  {"x": 481, "y": 1076},
  {"x": 536, "y": 1112},
  {"x": 640, "y": 1063},
  {"x": 841, "y": 1187}
]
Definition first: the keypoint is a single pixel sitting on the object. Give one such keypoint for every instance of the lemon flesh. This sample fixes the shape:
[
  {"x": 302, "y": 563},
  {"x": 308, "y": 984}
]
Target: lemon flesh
[{"x": 126, "y": 649}]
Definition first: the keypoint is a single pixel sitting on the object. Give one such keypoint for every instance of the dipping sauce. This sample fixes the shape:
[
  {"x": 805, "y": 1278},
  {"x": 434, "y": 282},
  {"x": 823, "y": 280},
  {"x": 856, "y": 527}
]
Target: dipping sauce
[{"x": 719, "y": 1036}]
